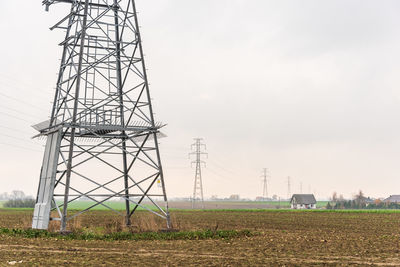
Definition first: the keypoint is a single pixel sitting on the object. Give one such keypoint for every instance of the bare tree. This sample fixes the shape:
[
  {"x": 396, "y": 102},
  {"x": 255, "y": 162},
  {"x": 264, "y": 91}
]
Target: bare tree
[
  {"x": 359, "y": 199},
  {"x": 17, "y": 194},
  {"x": 334, "y": 197}
]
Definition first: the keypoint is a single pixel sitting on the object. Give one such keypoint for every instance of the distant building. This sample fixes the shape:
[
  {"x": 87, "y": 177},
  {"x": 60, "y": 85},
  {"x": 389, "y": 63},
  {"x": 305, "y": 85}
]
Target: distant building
[
  {"x": 368, "y": 201},
  {"x": 264, "y": 199},
  {"x": 393, "y": 199},
  {"x": 303, "y": 201},
  {"x": 234, "y": 197}
]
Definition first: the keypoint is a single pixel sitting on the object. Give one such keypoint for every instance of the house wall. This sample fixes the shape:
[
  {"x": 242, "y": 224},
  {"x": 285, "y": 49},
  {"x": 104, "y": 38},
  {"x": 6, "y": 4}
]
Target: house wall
[{"x": 301, "y": 206}]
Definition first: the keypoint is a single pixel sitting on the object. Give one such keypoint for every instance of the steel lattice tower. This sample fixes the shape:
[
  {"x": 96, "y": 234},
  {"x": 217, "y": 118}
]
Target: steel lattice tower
[
  {"x": 101, "y": 137},
  {"x": 265, "y": 175},
  {"x": 198, "y": 183}
]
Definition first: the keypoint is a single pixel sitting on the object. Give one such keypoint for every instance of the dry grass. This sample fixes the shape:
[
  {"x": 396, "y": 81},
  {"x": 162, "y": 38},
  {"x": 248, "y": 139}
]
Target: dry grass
[
  {"x": 26, "y": 221},
  {"x": 106, "y": 223},
  {"x": 141, "y": 222}
]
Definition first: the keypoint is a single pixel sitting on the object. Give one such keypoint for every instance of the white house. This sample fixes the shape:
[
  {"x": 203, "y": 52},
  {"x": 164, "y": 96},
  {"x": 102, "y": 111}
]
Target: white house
[{"x": 303, "y": 201}]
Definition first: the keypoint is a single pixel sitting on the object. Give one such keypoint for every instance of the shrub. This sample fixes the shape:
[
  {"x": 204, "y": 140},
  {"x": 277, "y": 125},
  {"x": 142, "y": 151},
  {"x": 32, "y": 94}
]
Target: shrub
[{"x": 20, "y": 203}]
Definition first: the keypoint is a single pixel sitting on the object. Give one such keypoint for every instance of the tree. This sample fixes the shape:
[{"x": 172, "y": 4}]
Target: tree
[
  {"x": 334, "y": 197},
  {"x": 359, "y": 200},
  {"x": 360, "y": 195},
  {"x": 4, "y": 196},
  {"x": 17, "y": 194},
  {"x": 20, "y": 203}
]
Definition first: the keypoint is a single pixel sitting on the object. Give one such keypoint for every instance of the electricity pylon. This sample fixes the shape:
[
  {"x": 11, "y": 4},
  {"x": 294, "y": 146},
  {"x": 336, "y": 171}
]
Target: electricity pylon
[
  {"x": 198, "y": 182},
  {"x": 288, "y": 188},
  {"x": 102, "y": 139},
  {"x": 265, "y": 177}
]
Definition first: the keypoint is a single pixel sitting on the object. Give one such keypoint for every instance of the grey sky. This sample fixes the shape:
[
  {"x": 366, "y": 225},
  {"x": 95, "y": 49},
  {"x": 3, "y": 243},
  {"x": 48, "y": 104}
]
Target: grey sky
[{"x": 308, "y": 89}]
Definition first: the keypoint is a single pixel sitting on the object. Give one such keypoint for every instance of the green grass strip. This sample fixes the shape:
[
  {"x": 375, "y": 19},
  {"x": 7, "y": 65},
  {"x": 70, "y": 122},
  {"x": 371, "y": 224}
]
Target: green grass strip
[
  {"x": 185, "y": 235},
  {"x": 297, "y": 210}
]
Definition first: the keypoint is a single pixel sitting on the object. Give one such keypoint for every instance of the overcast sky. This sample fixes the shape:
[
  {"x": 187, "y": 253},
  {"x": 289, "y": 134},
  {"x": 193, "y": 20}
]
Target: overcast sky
[{"x": 308, "y": 89}]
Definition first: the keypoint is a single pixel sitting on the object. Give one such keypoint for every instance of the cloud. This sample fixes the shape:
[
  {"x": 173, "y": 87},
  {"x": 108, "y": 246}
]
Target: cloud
[{"x": 306, "y": 88}]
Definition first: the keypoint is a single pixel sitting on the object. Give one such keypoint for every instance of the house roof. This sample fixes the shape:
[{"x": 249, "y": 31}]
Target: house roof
[
  {"x": 393, "y": 198},
  {"x": 368, "y": 200},
  {"x": 303, "y": 199}
]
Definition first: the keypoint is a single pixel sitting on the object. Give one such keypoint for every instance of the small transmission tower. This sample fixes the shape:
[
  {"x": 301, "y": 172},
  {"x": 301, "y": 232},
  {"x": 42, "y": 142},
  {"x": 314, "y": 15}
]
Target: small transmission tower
[
  {"x": 198, "y": 182},
  {"x": 288, "y": 188},
  {"x": 101, "y": 137},
  {"x": 265, "y": 177}
]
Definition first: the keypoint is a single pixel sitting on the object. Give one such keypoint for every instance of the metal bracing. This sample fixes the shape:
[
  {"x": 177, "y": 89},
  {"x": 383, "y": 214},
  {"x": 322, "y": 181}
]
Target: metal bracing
[
  {"x": 103, "y": 113},
  {"x": 198, "y": 182},
  {"x": 265, "y": 175}
]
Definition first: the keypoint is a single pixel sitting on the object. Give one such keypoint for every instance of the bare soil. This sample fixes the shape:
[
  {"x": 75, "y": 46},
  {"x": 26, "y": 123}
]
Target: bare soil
[{"x": 282, "y": 238}]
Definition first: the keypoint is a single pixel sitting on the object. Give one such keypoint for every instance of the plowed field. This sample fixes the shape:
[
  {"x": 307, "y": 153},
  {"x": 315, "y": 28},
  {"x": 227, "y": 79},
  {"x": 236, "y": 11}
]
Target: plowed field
[{"x": 280, "y": 238}]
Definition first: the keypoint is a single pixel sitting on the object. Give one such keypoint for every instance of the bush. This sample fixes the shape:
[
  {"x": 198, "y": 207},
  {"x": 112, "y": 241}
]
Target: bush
[
  {"x": 353, "y": 204},
  {"x": 20, "y": 203}
]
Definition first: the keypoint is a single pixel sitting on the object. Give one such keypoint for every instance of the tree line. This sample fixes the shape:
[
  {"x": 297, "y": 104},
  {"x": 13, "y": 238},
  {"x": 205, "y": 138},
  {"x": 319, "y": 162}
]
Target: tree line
[
  {"x": 17, "y": 199},
  {"x": 359, "y": 202}
]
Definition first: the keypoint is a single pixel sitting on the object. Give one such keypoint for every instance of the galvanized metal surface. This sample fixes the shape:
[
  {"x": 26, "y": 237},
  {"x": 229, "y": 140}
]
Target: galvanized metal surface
[
  {"x": 109, "y": 139},
  {"x": 45, "y": 197}
]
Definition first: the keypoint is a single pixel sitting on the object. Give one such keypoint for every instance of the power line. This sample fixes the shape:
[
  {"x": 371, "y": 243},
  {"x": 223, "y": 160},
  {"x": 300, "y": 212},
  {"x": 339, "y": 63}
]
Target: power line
[
  {"x": 174, "y": 168},
  {"x": 222, "y": 168},
  {"x": 14, "y": 137},
  {"x": 217, "y": 174},
  {"x": 20, "y": 147},
  {"x": 220, "y": 164},
  {"x": 6, "y": 84},
  {"x": 21, "y": 112},
  {"x": 14, "y": 80},
  {"x": 15, "y": 117},
  {"x": 21, "y": 101},
  {"x": 13, "y": 129}
]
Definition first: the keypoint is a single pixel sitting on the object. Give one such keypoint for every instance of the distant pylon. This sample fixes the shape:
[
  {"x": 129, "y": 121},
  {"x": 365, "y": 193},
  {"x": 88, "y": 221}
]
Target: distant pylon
[
  {"x": 301, "y": 187},
  {"x": 198, "y": 183},
  {"x": 265, "y": 183},
  {"x": 288, "y": 187}
]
